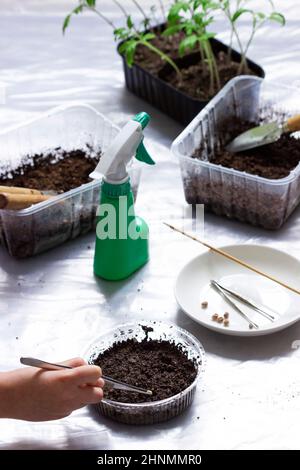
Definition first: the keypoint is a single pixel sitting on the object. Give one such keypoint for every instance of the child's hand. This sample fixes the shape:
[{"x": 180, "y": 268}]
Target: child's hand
[{"x": 38, "y": 395}]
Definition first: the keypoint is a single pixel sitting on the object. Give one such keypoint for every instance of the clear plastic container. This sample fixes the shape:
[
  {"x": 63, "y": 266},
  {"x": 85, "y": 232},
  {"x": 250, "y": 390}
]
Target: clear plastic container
[
  {"x": 232, "y": 193},
  {"x": 156, "y": 411},
  {"x": 43, "y": 226}
]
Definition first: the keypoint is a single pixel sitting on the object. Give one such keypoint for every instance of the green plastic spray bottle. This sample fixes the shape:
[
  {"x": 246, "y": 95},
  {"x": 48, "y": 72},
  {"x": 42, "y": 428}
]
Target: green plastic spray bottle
[{"x": 121, "y": 236}]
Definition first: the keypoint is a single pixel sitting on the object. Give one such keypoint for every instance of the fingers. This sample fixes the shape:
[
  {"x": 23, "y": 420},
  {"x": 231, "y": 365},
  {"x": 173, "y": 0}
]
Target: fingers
[
  {"x": 75, "y": 362},
  {"x": 91, "y": 395},
  {"x": 99, "y": 383},
  {"x": 86, "y": 374}
]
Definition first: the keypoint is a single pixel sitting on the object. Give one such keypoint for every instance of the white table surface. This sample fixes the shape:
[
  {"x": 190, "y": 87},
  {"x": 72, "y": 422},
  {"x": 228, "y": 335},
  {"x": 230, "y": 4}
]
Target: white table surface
[{"x": 52, "y": 307}]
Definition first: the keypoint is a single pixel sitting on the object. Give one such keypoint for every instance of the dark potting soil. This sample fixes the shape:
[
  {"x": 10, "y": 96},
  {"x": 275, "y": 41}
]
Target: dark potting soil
[
  {"x": 273, "y": 161},
  {"x": 57, "y": 170},
  {"x": 159, "y": 366},
  {"x": 195, "y": 79},
  {"x": 150, "y": 60}
]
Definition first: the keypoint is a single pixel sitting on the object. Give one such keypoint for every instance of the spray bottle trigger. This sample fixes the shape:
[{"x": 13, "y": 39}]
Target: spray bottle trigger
[{"x": 143, "y": 156}]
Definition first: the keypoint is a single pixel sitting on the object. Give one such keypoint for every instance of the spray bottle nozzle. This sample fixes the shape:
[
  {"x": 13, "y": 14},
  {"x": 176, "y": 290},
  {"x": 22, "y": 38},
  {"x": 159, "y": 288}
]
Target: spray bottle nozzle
[
  {"x": 128, "y": 143},
  {"x": 143, "y": 118}
]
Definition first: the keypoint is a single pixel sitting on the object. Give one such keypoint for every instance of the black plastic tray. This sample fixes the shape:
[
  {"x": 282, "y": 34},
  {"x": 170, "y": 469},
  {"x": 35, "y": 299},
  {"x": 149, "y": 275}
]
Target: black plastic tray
[{"x": 164, "y": 96}]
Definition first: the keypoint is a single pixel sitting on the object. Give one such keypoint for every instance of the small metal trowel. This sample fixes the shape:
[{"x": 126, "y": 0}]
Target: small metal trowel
[{"x": 263, "y": 135}]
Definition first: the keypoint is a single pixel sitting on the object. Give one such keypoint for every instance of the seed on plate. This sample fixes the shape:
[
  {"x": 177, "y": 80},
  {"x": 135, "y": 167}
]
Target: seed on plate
[
  {"x": 204, "y": 304},
  {"x": 220, "y": 320},
  {"x": 226, "y": 322},
  {"x": 226, "y": 315},
  {"x": 215, "y": 317},
  {"x": 250, "y": 326}
]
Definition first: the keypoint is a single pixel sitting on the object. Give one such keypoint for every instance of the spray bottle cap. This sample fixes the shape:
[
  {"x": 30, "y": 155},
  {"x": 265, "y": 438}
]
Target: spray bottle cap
[
  {"x": 128, "y": 143},
  {"x": 142, "y": 118}
]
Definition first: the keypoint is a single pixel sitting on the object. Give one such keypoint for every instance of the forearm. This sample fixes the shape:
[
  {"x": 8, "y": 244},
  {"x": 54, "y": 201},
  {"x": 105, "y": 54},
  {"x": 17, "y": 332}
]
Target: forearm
[
  {"x": 35, "y": 395},
  {"x": 6, "y": 395}
]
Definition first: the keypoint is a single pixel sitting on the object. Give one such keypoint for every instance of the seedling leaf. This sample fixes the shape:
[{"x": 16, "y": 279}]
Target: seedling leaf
[
  {"x": 148, "y": 36},
  {"x": 69, "y": 16},
  {"x": 171, "y": 30},
  {"x": 129, "y": 22},
  {"x": 276, "y": 16},
  {"x": 130, "y": 51},
  {"x": 66, "y": 22},
  {"x": 240, "y": 12},
  {"x": 188, "y": 43}
]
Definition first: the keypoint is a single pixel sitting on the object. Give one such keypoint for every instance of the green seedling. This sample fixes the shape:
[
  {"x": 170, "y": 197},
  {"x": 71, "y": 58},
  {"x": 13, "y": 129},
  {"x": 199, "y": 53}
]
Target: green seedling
[
  {"x": 130, "y": 34},
  {"x": 193, "y": 17},
  {"x": 133, "y": 38},
  {"x": 234, "y": 10},
  {"x": 85, "y": 5}
]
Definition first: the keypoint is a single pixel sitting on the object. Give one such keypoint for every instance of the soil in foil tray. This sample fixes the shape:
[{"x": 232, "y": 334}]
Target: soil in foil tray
[
  {"x": 57, "y": 170},
  {"x": 159, "y": 366}
]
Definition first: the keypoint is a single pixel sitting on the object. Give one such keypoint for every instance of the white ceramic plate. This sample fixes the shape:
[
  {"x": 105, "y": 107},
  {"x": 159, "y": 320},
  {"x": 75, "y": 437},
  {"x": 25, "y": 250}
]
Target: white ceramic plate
[{"x": 193, "y": 287}]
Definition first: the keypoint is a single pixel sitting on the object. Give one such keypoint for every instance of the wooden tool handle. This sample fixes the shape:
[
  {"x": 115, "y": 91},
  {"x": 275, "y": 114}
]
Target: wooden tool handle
[
  {"x": 293, "y": 124},
  {"x": 17, "y": 190},
  {"x": 20, "y": 201}
]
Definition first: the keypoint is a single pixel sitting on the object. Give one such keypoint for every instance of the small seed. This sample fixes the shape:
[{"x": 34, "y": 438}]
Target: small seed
[
  {"x": 220, "y": 320},
  {"x": 226, "y": 322},
  {"x": 226, "y": 315},
  {"x": 204, "y": 304},
  {"x": 215, "y": 317},
  {"x": 250, "y": 326}
]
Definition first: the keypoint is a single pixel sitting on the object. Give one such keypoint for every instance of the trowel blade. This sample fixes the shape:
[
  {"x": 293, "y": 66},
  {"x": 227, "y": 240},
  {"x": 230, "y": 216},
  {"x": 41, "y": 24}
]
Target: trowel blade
[{"x": 256, "y": 137}]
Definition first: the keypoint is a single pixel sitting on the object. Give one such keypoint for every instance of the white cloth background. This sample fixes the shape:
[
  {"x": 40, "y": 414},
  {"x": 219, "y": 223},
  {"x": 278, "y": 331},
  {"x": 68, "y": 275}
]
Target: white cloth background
[{"x": 52, "y": 307}]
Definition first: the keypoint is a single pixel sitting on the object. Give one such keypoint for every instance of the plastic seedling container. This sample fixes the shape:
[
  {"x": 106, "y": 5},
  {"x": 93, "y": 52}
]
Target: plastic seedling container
[
  {"x": 156, "y": 411},
  {"x": 163, "y": 95},
  {"x": 229, "y": 192},
  {"x": 43, "y": 226}
]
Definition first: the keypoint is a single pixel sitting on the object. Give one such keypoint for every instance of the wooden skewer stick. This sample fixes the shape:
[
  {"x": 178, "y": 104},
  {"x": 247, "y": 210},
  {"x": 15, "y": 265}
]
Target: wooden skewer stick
[
  {"x": 234, "y": 259},
  {"x": 20, "y": 201},
  {"x": 17, "y": 190}
]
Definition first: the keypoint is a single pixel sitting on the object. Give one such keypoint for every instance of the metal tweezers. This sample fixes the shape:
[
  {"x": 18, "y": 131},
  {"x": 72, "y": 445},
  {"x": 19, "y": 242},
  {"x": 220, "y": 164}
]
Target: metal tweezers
[
  {"x": 227, "y": 294},
  {"x": 33, "y": 362}
]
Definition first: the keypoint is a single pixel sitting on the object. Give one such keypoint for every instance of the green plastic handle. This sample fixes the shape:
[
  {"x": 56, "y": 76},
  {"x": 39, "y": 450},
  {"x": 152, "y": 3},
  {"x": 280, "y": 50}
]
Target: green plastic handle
[{"x": 143, "y": 156}]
